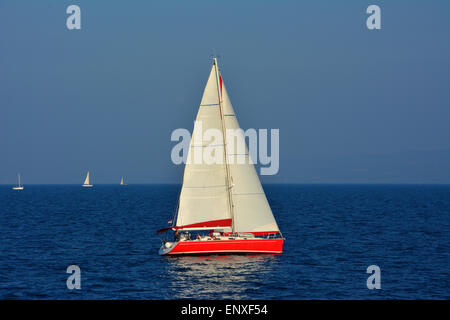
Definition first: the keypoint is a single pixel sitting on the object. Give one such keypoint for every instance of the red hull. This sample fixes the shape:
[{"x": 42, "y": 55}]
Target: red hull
[{"x": 228, "y": 246}]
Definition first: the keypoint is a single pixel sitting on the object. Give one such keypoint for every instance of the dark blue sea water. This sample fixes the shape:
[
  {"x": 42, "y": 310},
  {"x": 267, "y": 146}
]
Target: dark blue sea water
[{"x": 333, "y": 233}]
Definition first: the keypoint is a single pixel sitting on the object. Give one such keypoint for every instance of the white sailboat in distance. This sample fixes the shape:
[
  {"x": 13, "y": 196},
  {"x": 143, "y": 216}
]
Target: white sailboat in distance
[
  {"x": 122, "y": 183},
  {"x": 19, "y": 187},
  {"x": 87, "y": 181},
  {"x": 225, "y": 198}
]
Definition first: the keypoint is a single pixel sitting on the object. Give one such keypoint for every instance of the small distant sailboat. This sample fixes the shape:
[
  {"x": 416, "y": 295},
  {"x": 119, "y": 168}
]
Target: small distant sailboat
[
  {"x": 122, "y": 183},
  {"x": 86, "y": 181},
  {"x": 19, "y": 187}
]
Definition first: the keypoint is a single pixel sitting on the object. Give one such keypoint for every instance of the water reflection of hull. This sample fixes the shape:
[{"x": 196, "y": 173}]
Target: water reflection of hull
[
  {"x": 247, "y": 246},
  {"x": 221, "y": 276}
]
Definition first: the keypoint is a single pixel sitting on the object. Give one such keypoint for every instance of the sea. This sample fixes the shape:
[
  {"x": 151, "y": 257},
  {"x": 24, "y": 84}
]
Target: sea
[{"x": 333, "y": 234}]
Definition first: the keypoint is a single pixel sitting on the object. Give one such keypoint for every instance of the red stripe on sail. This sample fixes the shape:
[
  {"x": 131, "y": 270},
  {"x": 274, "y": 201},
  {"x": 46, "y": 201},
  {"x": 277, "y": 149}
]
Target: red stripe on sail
[
  {"x": 208, "y": 224},
  {"x": 220, "y": 79},
  {"x": 205, "y": 224}
]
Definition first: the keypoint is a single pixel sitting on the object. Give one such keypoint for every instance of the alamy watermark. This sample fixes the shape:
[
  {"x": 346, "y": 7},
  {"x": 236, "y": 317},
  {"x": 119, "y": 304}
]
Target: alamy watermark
[
  {"x": 74, "y": 20},
  {"x": 74, "y": 280},
  {"x": 373, "y": 281},
  {"x": 208, "y": 147},
  {"x": 374, "y": 20}
]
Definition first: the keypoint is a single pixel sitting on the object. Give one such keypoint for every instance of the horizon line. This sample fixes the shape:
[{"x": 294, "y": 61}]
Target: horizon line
[{"x": 269, "y": 183}]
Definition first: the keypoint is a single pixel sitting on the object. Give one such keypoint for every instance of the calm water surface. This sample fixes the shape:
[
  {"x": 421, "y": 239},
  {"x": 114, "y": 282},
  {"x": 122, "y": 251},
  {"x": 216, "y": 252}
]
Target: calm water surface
[{"x": 333, "y": 233}]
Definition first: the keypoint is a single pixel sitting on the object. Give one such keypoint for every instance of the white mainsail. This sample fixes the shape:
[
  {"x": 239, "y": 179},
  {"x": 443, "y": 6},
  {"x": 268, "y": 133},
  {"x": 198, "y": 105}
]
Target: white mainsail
[
  {"x": 121, "y": 182},
  {"x": 204, "y": 199},
  {"x": 220, "y": 195}
]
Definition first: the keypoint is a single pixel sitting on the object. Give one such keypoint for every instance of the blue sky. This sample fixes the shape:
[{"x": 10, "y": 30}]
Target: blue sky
[{"x": 352, "y": 105}]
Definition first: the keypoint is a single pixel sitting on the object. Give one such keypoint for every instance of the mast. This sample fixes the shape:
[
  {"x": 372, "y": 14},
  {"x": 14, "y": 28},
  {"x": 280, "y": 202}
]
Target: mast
[
  {"x": 18, "y": 176},
  {"x": 229, "y": 186}
]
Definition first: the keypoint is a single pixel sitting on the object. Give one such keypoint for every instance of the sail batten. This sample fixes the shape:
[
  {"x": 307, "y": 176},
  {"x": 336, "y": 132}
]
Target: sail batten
[{"x": 219, "y": 186}]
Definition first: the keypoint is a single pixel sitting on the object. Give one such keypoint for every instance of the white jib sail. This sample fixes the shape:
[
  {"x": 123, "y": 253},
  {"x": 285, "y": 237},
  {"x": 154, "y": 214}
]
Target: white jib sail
[{"x": 251, "y": 209}]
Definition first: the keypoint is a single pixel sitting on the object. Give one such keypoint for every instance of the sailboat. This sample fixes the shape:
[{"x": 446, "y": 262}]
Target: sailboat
[
  {"x": 226, "y": 198},
  {"x": 122, "y": 183},
  {"x": 19, "y": 187},
  {"x": 86, "y": 181}
]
